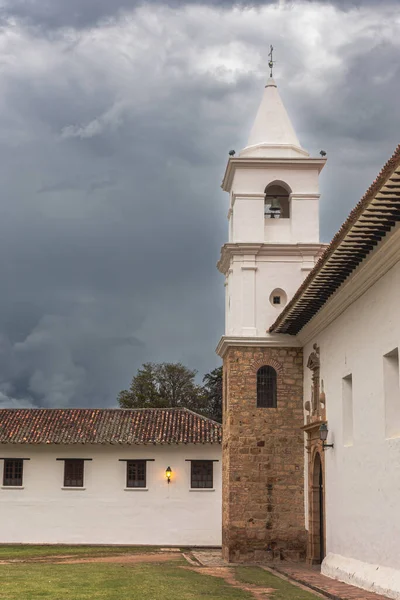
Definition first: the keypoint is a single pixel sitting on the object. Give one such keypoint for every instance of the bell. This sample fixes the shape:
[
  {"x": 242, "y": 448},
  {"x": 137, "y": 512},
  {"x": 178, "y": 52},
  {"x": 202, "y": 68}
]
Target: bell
[{"x": 275, "y": 206}]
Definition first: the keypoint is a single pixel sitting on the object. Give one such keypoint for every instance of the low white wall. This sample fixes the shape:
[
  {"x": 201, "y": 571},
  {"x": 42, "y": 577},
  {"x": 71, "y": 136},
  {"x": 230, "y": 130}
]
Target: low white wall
[
  {"x": 103, "y": 512},
  {"x": 374, "y": 578},
  {"x": 362, "y": 470}
]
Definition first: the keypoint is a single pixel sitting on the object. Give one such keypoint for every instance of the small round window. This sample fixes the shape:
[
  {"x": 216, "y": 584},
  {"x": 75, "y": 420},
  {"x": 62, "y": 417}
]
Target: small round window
[{"x": 278, "y": 298}]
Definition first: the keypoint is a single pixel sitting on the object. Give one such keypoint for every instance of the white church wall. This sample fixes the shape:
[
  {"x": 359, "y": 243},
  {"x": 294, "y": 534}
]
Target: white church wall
[
  {"x": 362, "y": 478},
  {"x": 104, "y": 512},
  {"x": 391, "y": 393}
]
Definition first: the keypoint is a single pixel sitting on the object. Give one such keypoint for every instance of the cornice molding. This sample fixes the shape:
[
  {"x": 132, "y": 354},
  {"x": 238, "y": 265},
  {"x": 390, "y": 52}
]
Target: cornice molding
[
  {"x": 246, "y": 151},
  {"x": 292, "y": 196},
  {"x": 261, "y": 163},
  {"x": 247, "y": 196},
  {"x": 314, "y": 425},
  {"x": 305, "y": 196},
  {"x": 379, "y": 262},
  {"x": 302, "y": 251},
  {"x": 276, "y": 340}
]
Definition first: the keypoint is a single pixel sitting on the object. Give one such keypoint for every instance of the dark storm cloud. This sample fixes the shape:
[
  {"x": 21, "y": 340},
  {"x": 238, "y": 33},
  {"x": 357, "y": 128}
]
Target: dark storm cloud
[
  {"x": 81, "y": 14},
  {"x": 113, "y": 143},
  {"x": 78, "y": 13},
  {"x": 111, "y": 232}
]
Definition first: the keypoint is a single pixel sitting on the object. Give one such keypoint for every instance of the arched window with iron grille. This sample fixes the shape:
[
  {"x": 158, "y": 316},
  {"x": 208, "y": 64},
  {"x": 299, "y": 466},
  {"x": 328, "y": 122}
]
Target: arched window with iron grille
[{"x": 266, "y": 387}]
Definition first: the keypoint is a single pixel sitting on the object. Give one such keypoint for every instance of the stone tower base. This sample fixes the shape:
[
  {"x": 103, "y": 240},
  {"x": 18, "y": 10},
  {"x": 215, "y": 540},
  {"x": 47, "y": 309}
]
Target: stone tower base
[{"x": 263, "y": 458}]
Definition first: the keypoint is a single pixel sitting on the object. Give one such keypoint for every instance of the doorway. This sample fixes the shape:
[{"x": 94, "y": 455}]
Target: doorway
[{"x": 318, "y": 515}]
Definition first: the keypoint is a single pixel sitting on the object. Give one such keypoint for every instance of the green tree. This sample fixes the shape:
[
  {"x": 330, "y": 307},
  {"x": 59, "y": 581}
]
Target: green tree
[
  {"x": 213, "y": 390},
  {"x": 143, "y": 392},
  {"x": 164, "y": 385}
]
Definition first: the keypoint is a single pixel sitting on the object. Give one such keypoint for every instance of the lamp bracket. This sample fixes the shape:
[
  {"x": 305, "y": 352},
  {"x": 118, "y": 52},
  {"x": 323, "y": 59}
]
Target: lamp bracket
[{"x": 327, "y": 446}]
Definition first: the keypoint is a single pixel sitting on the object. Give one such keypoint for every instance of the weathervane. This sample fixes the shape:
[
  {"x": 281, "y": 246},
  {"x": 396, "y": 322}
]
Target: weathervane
[{"x": 271, "y": 61}]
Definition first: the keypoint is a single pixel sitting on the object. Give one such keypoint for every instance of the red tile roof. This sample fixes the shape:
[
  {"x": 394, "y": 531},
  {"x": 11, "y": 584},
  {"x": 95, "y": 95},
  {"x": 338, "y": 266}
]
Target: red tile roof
[
  {"x": 106, "y": 426},
  {"x": 373, "y": 217}
]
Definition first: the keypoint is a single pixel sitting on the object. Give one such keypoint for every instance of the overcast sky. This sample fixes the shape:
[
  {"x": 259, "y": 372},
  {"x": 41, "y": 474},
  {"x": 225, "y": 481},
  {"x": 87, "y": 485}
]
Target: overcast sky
[{"x": 116, "y": 119}]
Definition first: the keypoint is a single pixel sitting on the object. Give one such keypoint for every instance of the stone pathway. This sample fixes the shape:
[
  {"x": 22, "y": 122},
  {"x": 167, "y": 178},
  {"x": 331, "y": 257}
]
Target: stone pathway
[
  {"x": 151, "y": 557},
  {"x": 210, "y": 558},
  {"x": 312, "y": 578},
  {"x": 120, "y": 558},
  {"x": 228, "y": 574}
]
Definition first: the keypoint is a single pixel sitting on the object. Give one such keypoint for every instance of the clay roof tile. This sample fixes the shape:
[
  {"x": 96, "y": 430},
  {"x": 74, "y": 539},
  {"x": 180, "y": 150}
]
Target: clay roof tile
[{"x": 106, "y": 426}]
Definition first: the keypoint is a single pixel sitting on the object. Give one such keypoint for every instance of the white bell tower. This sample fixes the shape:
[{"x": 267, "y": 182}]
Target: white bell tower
[{"x": 273, "y": 221}]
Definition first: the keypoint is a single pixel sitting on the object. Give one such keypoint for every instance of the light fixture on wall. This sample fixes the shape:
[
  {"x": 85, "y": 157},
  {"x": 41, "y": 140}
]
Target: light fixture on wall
[
  {"x": 168, "y": 474},
  {"x": 323, "y": 436}
]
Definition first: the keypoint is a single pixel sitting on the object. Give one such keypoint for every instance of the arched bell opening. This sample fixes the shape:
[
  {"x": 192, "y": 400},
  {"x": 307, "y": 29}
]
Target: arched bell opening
[{"x": 277, "y": 201}]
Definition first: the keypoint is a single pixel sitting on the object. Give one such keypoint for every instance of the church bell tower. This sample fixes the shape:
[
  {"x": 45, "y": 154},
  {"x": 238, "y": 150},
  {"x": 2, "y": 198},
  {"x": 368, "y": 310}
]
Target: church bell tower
[{"x": 273, "y": 187}]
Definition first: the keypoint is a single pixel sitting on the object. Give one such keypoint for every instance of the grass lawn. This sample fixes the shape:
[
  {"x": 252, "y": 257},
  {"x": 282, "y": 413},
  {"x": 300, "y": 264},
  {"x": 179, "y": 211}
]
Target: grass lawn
[
  {"x": 112, "y": 582},
  {"x": 284, "y": 589},
  {"x": 124, "y": 580},
  {"x": 26, "y": 552}
]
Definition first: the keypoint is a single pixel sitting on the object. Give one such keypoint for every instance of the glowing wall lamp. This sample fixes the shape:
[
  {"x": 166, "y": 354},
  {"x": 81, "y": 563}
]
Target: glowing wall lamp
[
  {"x": 323, "y": 436},
  {"x": 168, "y": 474}
]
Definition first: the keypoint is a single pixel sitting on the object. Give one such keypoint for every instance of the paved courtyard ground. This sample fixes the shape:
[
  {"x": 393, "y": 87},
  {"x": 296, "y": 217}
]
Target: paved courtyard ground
[{"x": 121, "y": 573}]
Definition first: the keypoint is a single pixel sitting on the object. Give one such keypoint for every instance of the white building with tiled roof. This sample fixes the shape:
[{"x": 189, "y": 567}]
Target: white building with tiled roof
[
  {"x": 311, "y": 452},
  {"x": 83, "y": 476}
]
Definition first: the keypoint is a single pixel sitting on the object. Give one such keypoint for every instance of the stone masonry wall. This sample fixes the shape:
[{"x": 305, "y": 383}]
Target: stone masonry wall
[{"x": 263, "y": 458}]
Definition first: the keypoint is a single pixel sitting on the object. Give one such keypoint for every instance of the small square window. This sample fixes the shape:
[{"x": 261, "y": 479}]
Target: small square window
[
  {"x": 276, "y": 300},
  {"x": 73, "y": 472},
  {"x": 13, "y": 469},
  {"x": 136, "y": 473},
  {"x": 202, "y": 474}
]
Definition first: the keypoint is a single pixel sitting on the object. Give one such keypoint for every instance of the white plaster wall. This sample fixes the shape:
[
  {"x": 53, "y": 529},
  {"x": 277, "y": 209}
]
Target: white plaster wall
[
  {"x": 304, "y": 219},
  {"x": 362, "y": 480},
  {"x": 275, "y": 272},
  {"x": 254, "y": 181},
  {"x": 277, "y": 230},
  {"x": 103, "y": 512},
  {"x": 251, "y": 281},
  {"x": 234, "y": 317},
  {"x": 248, "y": 220}
]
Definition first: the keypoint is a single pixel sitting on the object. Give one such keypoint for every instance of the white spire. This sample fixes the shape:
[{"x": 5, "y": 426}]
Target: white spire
[{"x": 272, "y": 135}]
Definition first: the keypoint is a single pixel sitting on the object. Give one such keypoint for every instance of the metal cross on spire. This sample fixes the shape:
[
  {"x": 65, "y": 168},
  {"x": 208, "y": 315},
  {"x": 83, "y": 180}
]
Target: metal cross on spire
[{"x": 271, "y": 60}]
